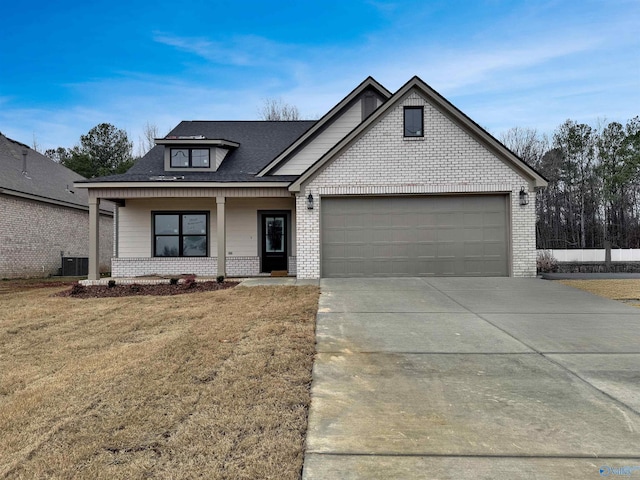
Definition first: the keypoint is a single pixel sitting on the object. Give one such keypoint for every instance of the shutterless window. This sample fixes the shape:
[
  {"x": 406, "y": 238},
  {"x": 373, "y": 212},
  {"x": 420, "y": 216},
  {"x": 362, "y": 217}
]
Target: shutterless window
[
  {"x": 413, "y": 122},
  {"x": 190, "y": 157},
  {"x": 180, "y": 234}
]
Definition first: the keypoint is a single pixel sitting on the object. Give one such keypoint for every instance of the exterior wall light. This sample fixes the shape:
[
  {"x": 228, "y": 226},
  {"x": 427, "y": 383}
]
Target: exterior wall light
[
  {"x": 524, "y": 197},
  {"x": 310, "y": 202}
]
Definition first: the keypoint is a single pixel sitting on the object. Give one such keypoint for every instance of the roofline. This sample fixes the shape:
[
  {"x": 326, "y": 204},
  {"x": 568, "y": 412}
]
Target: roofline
[
  {"x": 366, "y": 83},
  {"x": 51, "y": 201},
  {"x": 444, "y": 106},
  {"x": 196, "y": 141},
  {"x": 182, "y": 184}
]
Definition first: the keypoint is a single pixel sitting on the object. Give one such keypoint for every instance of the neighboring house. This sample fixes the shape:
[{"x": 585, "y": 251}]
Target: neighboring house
[
  {"x": 42, "y": 216},
  {"x": 382, "y": 185}
]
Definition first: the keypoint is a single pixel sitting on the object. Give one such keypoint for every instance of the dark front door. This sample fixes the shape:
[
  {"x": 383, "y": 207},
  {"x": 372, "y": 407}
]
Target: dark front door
[{"x": 274, "y": 242}]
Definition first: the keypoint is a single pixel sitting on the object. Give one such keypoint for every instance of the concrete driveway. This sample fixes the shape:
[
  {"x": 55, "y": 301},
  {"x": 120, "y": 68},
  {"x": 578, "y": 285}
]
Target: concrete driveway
[{"x": 472, "y": 378}]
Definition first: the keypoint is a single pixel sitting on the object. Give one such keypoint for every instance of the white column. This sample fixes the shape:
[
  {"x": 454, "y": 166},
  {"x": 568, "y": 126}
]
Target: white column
[
  {"x": 222, "y": 236},
  {"x": 94, "y": 239}
]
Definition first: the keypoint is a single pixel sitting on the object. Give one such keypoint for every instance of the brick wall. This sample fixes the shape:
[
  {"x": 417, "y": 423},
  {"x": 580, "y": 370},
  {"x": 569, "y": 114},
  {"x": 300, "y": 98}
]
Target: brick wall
[
  {"x": 141, "y": 266},
  {"x": 203, "y": 266},
  {"x": 445, "y": 160},
  {"x": 32, "y": 235}
]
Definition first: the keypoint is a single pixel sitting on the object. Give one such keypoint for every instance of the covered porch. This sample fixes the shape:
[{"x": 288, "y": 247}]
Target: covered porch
[{"x": 201, "y": 230}]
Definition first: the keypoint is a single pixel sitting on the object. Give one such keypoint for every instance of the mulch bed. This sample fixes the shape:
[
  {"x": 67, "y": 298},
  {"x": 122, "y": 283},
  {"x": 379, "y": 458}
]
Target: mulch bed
[{"x": 103, "y": 291}]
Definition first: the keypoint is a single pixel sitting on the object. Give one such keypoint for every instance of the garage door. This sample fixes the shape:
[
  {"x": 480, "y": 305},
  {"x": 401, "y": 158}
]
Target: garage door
[{"x": 414, "y": 236}]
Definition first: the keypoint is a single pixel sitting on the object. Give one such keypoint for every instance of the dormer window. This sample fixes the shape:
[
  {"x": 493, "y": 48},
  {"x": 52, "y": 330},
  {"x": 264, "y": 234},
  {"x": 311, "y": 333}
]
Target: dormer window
[
  {"x": 189, "y": 158},
  {"x": 195, "y": 153}
]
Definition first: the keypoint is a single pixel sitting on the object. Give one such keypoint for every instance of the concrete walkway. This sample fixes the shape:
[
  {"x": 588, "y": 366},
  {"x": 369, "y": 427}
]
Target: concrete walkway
[{"x": 472, "y": 378}]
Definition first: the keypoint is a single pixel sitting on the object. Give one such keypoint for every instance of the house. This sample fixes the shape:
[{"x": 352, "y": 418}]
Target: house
[
  {"x": 42, "y": 216},
  {"x": 384, "y": 184}
]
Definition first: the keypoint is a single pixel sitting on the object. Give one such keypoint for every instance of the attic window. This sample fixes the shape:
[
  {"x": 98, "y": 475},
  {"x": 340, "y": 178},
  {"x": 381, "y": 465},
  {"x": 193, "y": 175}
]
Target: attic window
[
  {"x": 189, "y": 158},
  {"x": 413, "y": 122}
]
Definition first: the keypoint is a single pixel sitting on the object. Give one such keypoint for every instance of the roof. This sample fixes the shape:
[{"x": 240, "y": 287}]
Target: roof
[
  {"x": 260, "y": 142},
  {"x": 264, "y": 145},
  {"x": 448, "y": 109},
  {"x": 45, "y": 180}
]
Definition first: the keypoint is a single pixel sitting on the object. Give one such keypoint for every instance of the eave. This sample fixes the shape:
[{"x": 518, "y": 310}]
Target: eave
[
  {"x": 197, "y": 141},
  {"x": 179, "y": 184},
  {"x": 50, "y": 201}
]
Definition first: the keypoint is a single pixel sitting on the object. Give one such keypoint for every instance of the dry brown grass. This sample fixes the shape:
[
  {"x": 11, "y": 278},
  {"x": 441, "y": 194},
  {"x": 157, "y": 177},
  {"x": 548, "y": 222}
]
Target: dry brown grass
[
  {"x": 627, "y": 290},
  {"x": 208, "y": 385}
]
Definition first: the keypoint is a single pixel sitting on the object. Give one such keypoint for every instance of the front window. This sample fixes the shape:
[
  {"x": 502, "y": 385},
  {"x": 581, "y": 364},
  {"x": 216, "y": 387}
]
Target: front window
[
  {"x": 189, "y": 158},
  {"x": 180, "y": 234},
  {"x": 413, "y": 122}
]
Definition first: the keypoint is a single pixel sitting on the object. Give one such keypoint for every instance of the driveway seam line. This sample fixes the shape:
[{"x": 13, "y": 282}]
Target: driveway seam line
[
  {"x": 543, "y": 355},
  {"x": 394, "y": 352},
  {"x": 472, "y": 455}
]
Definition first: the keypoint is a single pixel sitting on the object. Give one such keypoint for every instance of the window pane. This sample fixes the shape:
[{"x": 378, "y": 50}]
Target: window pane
[
  {"x": 200, "y": 157},
  {"x": 194, "y": 224},
  {"x": 166, "y": 224},
  {"x": 274, "y": 240},
  {"x": 179, "y": 157},
  {"x": 413, "y": 122},
  {"x": 194, "y": 246},
  {"x": 167, "y": 246}
]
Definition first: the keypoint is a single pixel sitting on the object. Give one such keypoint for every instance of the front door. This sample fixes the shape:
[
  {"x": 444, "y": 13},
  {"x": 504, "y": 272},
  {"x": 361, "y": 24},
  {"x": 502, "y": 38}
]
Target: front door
[{"x": 274, "y": 242}]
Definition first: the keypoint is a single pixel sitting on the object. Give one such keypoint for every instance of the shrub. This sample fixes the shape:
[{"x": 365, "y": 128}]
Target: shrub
[
  {"x": 111, "y": 283},
  {"x": 220, "y": 278},
  {"x": 546, "y": 262},
  {"x": 173, "y": 281},
  {"x": 189, "y": 281}
]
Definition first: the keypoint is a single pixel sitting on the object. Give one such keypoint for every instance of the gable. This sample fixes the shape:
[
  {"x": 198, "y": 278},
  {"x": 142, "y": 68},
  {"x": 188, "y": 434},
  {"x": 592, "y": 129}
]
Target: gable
[
  {"x": 417, "y": 93},
  {"x": 446, "y": 155},
  {"x": 350, "y": 112},
  {"x": 311, "y": 152}
]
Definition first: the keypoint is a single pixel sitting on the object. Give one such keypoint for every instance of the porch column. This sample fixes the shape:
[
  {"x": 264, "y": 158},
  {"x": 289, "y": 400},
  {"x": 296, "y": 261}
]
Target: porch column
[
  {"x": 222, "y": 236},
  {"x": 94, "y": 239}
]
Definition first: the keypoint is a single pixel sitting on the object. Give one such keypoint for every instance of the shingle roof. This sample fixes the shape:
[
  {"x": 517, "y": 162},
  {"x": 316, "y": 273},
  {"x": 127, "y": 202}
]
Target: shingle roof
[
  {"x": 44, "y": 180},
  {"x": 260, "y": 142}
]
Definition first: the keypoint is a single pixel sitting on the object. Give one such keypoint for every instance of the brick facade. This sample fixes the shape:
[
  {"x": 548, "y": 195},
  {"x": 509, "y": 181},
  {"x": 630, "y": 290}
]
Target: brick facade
[
  {"x": 33, "y": 235},
  {"x": 383, "y": 162},
  {"x": 203, "y": 266}
]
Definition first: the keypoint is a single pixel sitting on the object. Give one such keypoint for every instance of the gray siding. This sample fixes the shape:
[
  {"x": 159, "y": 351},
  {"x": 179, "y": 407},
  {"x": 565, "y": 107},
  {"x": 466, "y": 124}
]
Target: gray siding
[{"x": 321, "y": 144}]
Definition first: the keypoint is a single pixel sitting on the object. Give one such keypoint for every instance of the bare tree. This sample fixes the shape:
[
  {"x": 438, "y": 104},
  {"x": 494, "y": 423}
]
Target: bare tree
[
  {"x": 527, "y": 143},
  {"x": 35, "y": 145},
  {"x": 277, "y": 109},
  {"x": 147, "y": 141}
]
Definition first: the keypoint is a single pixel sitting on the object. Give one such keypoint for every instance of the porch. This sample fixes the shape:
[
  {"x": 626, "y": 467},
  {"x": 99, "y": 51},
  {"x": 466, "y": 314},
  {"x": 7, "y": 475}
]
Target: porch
[{"x": 208, "y": 232}]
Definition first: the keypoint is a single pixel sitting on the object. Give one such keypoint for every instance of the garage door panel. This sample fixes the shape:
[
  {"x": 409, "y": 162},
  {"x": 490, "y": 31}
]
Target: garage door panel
[
  {"x": 414, "y": 236},
  {"x": 494, "y": 234}
]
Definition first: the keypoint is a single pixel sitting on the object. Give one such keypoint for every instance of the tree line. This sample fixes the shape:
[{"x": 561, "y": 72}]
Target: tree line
[{"x": 594, "y": 183}]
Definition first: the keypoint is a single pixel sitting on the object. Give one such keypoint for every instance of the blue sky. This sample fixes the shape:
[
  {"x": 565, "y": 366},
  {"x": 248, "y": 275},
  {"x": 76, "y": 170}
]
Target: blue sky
[{"x": 67, "y": 66}]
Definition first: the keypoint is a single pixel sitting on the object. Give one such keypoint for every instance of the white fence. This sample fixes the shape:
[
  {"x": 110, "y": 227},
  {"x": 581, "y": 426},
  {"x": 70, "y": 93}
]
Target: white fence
[{"x": 595, "y": 255}]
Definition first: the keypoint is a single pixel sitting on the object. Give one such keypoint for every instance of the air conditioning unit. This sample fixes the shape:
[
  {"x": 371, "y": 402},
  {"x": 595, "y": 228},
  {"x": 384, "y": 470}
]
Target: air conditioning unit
[{"x": 75, "y": 266}]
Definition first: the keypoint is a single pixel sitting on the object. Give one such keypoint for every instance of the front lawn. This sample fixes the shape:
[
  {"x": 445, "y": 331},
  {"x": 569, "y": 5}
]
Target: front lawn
[
  {"x": 625, "y": 290},
  {"x": 206, "y": 385}
]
